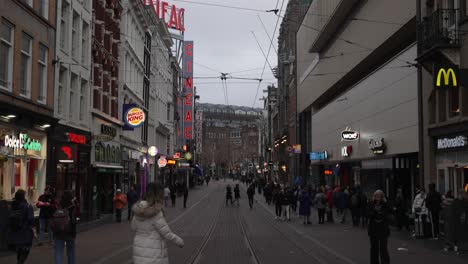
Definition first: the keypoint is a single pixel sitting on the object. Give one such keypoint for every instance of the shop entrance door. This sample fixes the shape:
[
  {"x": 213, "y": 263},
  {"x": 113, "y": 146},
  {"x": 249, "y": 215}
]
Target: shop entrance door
[{"x": 457, "y": 180}]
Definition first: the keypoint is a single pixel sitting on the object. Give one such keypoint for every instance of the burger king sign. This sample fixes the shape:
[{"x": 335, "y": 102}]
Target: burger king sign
[{"x": 134, "y": 117}]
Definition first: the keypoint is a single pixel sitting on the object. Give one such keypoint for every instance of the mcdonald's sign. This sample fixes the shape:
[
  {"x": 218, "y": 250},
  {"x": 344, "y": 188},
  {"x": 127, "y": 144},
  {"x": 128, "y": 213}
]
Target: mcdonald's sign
[{"x": 446, "y": 77}]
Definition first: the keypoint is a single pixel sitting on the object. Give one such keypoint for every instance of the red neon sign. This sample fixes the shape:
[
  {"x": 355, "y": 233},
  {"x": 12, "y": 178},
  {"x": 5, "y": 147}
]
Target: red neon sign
[
  {"x": 176, "y": 16},
  {"x": 188, "y": 99},
  {"x": 75, "y": 138},
  {"x": 188, "y": 133},
  {"x": 68, "y": 152},
  {"x": 328, "y": 172},
  {"x": 188, "y": 117}
]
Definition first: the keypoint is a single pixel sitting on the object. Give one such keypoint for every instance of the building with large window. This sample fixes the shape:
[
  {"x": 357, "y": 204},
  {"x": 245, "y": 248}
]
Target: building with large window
[
  {"x": 27, "y": 51},
  {"x": 231, "y": 139}
]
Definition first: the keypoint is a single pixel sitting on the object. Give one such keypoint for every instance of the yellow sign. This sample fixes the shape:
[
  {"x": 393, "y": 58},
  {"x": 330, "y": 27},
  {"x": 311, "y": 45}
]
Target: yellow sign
[
  {"x": 135, "y": 117},
  {"x": 466, "y": 188},
  {"x": 446, "y": 74}
]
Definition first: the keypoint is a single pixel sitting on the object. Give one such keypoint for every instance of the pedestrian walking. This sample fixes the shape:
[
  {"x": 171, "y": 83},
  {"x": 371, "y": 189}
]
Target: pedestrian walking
[
  {"x": 434, "y": 205},
  {"x": 173, "y": 195},
  {"x": 294, "y": 197},
  {"x": 21, "y": 226},
  {"x": 151, "y": 229},
  {"x": 419, "y": 211},
  {"x": 355, "y": 206},
  {"x": 250, "y": 194},
  {"x": 47, "y": 205},
  {"x": 401, "y": 210},
  {"x": 167, "y": 194},
  {"x": 132, "y": 198},
  {"x": 237, "y": 194},
  {"x": 320, "y": 202},
  {"x": 304, "y": 207},
  {"x": 286, "y": 205},
  {"x": 185, "y": 190},
  {"x": 228, "y": 194},
  {"x": 344, "y": 204},
  {"x": 278, "y": 199},
  {"x": 120, "y": 201},
  {"x": 378, "y": 229},
  {"x": 64, "y": 227},
  {"x": 364, "y": 207},
  {"x": 329, "y": 208}
]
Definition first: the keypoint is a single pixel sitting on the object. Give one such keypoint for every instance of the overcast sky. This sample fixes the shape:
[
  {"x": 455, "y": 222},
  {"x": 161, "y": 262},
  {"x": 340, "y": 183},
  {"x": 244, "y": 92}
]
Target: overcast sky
[{"x": 223, "y": 41}]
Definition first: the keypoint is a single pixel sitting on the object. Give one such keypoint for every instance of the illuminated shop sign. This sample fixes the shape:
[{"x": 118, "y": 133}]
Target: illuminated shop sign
[
  {"x": 162, "y": 162},
  {"x": 173, "y": 16},
  {"x": 318, "y": 155},
  {"x": 377, "y": 146},
  {"x": 134, "y": 117},
  {"x": 108, "y": 130},
  {"x": 448, "y": 75},
  {"x": 22, "y": 142},
  {"x": 447, "y": 143},
  {"x": 187, "y": 104},
  {"x": 346, "y": 151},
  {"x": 349, "y": 135},
  {"x": 66, "y": 154},
  {"x": 75, "y": 138}
]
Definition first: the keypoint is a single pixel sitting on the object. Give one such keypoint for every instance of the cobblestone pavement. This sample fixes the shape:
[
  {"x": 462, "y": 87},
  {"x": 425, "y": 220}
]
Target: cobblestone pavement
[{"x": 216, "y": 233}]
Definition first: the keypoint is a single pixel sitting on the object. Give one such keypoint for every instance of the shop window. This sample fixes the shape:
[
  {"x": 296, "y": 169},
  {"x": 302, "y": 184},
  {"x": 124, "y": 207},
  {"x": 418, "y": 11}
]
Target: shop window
[
  {"x": 442, "y": 102},
  {"x": 432, "y": 108},
  {"x": 31, "y": 171},
  {"x": 42, "y": 68},
  {"x": 112, "y": 158},
  {"x": 454, "y": 101},
  {"x": 108, "y": 153},
  {"x": 442, "y": 181},
  {"x": 97, "y": 153},
  {"x": 17, "y": 172}
]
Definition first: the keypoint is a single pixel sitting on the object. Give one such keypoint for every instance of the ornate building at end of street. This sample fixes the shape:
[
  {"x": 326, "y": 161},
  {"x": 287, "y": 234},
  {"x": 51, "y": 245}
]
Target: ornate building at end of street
[{"x": 232, "y": 139}]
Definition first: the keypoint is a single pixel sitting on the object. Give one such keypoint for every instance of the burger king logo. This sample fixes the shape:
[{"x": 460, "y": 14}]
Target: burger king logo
[{"x": 135, "y": 117}]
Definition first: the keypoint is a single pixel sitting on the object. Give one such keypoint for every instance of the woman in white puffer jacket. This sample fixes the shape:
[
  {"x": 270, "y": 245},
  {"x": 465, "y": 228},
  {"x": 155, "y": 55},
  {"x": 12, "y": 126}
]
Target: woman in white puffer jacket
[{"x": 151, "y": 229}]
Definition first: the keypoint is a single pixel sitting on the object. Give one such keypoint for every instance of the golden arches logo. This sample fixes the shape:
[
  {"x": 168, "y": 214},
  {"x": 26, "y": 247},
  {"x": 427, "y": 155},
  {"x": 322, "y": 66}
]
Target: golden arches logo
[{"x": 447, "y": 74}]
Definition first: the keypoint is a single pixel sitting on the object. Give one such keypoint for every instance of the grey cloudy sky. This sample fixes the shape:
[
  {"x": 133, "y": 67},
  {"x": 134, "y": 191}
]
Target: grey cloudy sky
[{"x": 223, "y": 41}]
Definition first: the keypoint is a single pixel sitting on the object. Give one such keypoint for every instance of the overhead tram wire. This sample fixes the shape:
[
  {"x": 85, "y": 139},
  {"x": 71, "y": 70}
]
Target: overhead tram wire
[
  {"x": 266, "y": 31},
  {"x": 268, "y": 53},
  {"x": 223, "y": 6},
  {"x": 264, "y": 55}
]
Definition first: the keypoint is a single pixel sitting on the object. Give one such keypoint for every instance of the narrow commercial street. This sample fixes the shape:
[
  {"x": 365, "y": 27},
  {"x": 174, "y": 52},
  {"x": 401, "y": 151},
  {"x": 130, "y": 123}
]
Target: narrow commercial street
[{"x": 216, "y": 233}]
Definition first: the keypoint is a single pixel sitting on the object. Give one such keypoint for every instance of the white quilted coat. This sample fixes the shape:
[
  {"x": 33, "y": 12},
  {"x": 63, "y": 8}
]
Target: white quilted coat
[{"x": 151, "y": 233}]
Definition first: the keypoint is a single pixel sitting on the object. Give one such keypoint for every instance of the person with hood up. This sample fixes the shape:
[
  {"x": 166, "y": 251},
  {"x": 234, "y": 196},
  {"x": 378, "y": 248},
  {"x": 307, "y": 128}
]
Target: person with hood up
[
  {"x": 378, "y": 229},
  {"x": 151, "y": 229},
  {"x": 321, "y": 204},
  {"x": 305, "y": 204}
]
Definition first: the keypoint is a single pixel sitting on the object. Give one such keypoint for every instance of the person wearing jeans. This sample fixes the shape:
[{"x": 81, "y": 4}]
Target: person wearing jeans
[
  {"x": 46, "y": 204},
  {"x": 65, "y": 234}
]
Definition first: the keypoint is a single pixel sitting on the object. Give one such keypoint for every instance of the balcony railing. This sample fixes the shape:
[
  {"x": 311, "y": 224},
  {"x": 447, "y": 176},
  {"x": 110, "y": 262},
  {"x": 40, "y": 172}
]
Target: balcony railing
[{"x": 440, "y": 30}]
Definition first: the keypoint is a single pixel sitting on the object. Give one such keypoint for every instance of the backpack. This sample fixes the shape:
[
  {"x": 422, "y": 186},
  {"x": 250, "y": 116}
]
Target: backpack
[
  {"x": 16, "y": 219},
  {"x": 61, "y": 223}
]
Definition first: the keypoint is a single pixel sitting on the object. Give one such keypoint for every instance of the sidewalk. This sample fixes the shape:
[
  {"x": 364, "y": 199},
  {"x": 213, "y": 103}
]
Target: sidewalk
[{"x": 351, "y": 245}]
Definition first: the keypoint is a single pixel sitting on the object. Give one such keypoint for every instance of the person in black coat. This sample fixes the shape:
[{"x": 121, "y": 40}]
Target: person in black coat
[
  {"x": 250, "y": 194},
  {"x": 378, "y": 228},
  {"x": 434, "y": 205},
  {"x": 21, "y": 226},
  {"x": 185, "y": 190},
  {"x": 132, "y": 198}
]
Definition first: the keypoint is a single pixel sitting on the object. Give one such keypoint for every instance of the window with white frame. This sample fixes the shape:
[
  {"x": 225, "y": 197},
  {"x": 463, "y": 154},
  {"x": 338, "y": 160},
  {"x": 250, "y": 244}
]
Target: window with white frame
[
  {"x": 83, "y": 91},
  {"x": 84, "y": 43},
  {"x": 75, "y": 35},
  {"x": 25, "y": 67},
  {"x": 73, "y": 93},
  {"x": 42, "y": 72},
  {"x": 61, "y": 90},
  {"x": 6, "y": 55},
  {"x": 44, "y": 8},
  {"x": 64, "y": 26}
]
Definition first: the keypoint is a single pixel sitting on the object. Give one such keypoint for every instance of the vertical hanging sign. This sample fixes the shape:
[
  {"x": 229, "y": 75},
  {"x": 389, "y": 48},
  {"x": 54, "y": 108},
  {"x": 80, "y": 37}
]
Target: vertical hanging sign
[{"x": 187, "y": 92}]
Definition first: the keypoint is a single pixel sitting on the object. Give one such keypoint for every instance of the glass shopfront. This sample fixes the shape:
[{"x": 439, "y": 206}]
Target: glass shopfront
[{"x": 23, "y": 155}]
